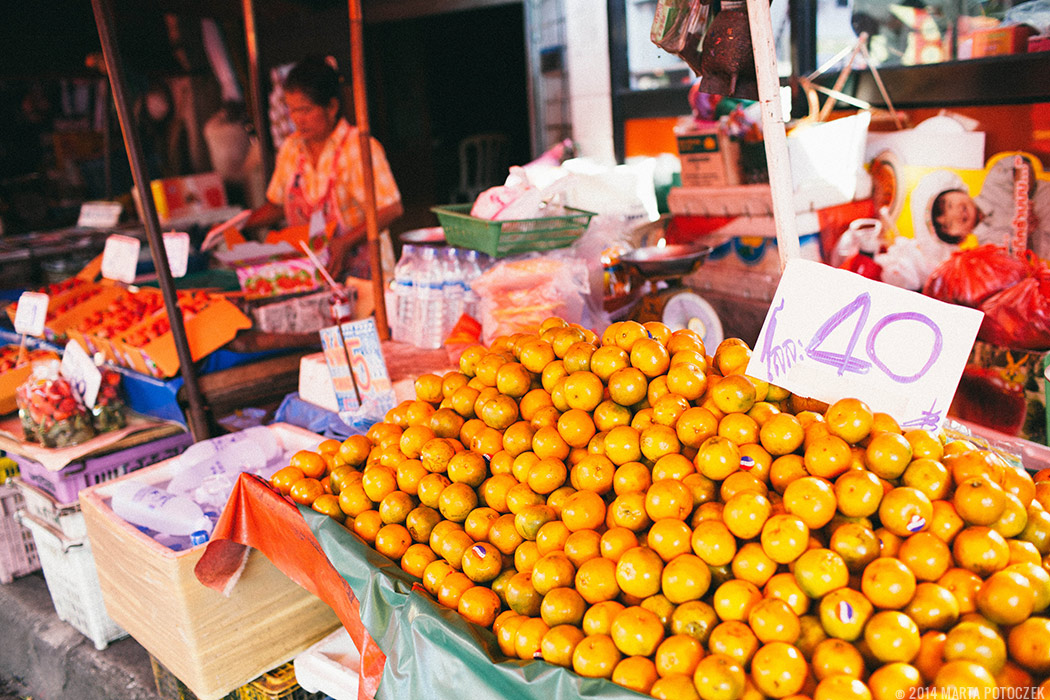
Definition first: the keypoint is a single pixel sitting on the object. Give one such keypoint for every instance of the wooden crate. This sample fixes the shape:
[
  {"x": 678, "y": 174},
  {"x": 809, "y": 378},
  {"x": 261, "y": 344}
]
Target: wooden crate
[{"x": 212, "y": 643}]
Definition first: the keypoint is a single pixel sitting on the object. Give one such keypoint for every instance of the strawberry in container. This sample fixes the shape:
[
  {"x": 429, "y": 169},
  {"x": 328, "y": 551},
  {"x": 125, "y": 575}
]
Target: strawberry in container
[
  {"x": 109, "y": 411},
  {"x": 50, "y": 410}
]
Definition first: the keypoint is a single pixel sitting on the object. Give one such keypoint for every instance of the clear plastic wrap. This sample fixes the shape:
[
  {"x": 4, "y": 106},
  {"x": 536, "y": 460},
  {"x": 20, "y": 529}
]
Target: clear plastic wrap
[
  {"x": 969, "y": 277},
  {"x": 678, "y": 28},
  {"x": 1019, "y": 316}
]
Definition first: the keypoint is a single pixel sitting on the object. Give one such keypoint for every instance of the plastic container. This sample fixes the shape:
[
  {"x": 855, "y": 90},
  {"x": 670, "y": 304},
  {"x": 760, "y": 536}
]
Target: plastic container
[
  {"x": 332, "y": 666},
  {"x": 452, "y": 288},
  {"x": 404, "y": 292},
  {"x": 278, "y": 684},
  {"x": 158, "y": 509},
  {"x": 65, "y": 484},
  {"x": 64, "y": 516},
  {"x": 18, "y": 555},
  {"x": 72, "y": 580},
  {"x": 426, "y": 329},
  {"x": 508, "y": 237}
]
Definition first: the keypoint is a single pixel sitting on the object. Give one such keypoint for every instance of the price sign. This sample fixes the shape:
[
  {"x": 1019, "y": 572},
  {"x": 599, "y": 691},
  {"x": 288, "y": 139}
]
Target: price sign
[
  {"x": 99, "y": 214},
  {"x": 31, "y": 313},
  {"x": 177, "y": 248},
  {"x": 120, "y": 258},
  {"x": 81, "y": 372},
  {"x": 338, "y": 362},
  {"x": 831, "y": 334},
  {"x": 355, "y": 347}
]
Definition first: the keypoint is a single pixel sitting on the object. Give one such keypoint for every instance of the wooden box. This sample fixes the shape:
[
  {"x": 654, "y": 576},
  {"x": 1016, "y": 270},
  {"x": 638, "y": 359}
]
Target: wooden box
[{"x": 211, "y": 642}]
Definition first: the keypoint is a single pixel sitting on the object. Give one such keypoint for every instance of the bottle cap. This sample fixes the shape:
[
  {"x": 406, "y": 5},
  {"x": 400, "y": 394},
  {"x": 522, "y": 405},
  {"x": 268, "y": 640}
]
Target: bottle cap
[{"x": 199, "y": 537}]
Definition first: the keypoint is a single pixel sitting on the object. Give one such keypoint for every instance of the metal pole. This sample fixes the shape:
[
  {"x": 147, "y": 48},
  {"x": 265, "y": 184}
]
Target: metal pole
[
  {"x": 115, "y": 69},
  {"x": 251, "y": 41},
  {"x": 357, "y": 64}
]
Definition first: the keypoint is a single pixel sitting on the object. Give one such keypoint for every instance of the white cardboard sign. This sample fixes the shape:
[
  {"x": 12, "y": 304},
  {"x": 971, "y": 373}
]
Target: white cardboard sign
[
  {"x": 177, "y": 248},
  {"x": 81, "y": 372},
  {"x": 99, "y": 214},
  {"x": 31, "y": 313},
  {"x": 120, "y": 258},
  {"x": 831, "y": 334}
]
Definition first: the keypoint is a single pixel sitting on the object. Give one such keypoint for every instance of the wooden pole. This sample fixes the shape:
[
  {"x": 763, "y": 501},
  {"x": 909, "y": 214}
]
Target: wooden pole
[
  {"x": 357, "y": 65},
  {"x": 255, "y": 92},
  {"x": 773, "y": 132},
  {"x": 198, "y": 422}
]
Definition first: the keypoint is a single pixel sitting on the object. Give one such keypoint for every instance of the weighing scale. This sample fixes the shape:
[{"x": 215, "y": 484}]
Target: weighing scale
[{"x": 672, "y": 302}]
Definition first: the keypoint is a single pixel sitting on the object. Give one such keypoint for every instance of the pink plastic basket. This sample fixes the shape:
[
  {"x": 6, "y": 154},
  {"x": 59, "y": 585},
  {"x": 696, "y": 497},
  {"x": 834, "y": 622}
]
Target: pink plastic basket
[
  {"x": 18, "y": 555},
  {"x": 66, "y": 483}
]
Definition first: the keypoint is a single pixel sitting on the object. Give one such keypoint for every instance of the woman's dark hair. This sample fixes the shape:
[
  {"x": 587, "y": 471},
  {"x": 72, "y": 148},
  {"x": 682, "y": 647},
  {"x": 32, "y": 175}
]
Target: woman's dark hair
[
  {"x": 936, "y": 212},
  {"x": 315, "y": 78}
]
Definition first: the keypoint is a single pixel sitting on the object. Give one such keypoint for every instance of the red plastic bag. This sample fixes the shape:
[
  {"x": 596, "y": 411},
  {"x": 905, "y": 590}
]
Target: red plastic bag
[
  {"x": 969, "y": 277},
  {"x": 1019, "y": 316}
]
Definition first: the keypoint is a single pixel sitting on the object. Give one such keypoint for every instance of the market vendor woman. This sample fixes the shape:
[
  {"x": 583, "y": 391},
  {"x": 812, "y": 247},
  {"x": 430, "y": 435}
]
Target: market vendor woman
[{"x": 318, "y": 169}]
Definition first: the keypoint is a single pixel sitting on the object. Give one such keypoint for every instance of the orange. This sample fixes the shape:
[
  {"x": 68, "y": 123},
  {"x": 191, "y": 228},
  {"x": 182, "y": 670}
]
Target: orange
[
  {"x": 366, "y": 524},
  {"x": 905, "y": 511},
  {"x": 1039, "y": 578},
  {"x": 785, "y": 469},
  {"x": 669, "y": 537},
  {"x": 552, "y": 374},
  {"x": 548, "y": 442},
  {"x": 695, "y": 425},
  {"x": 429, "y": 488},
  {"x": 811, "y": 635},
  {"x": 778, "y": 669},
  {"x": 609, "y": 414},
  {"x": 685, "y": 339},
  {"x": 456, "y": 501},
  {"x": 819, "y": 571},
  {"x": 812, "y": 499},
  {"x": 594, "y": 473},
  {"x": 924, "y": 444},
  {"x": 694, "y": 618},
  {"x": 827, "y": 456},
  {"x": 637, "y": 673},
  {"x": 841, "y": 688},
  {"x": 434, "y": 573},
  {"x": 975, "y": 642},
  {"x": 354, "y": 450},
  {"x": 493, "y": 491},
  {"x": 781, "y": 434},
  {"x": 636, "y": 631},
  {"x": 832, "y": 657},
  {"x": 963, "y": 585},
  {"x": 927, "y": 555},
  {"x": 479, "y": 605},
  {"x": 980, "y": 550},
  {"x": 596, "y": 656},
  {"x": 467, "y": 467},
  {"x": 615, "y": 541},
  {"x": 738, "y": 482},
  {"x": 784, "y": 537},
  {"x": 1006, "y": 598},
  {"x": 959, "y": 678},
  {"x": 704, "y": 490},
  {"x": 849, "y": 419},
  {"x": 932, "y": 607},
  {"x": 672, "y": 466},
  {"x": 563, "y": 606},
  {"x": 479, "y": 522},
  {"x": 306, "y": 490},
  {"x": 686, "y": 380},
  {"x": 583, "y": 390},
  {"x": 738, "y": 427},
  {"x": 576, "y": 427},
  {"x": 606, "y": 360},
  {"x": 596, "y": 580},
  {"x": 482, "y": 562},
  {"x": 752, "y": 564},
  {"x": 735, "y": 639},
  {"x": 628, "y": 386},
  {"x": 551, "y": 537},
  {"x": 547, "y": 475},
  {"x": 685, "y": 578},
  {"x": 642, "y": 418},
  {"x": 650, "y": 357},
  {"x": 888, "y": 455},
  {"x": 328, "y": 504},
  {"x": 1029, "y": 645},
  {"x": 856, "y": 544},
  {"x": 285, "y": 477},
  {"x": 628, "y": 510},
  {"x": 583, "y": 510},
  {"x": 311, "y": 463},
  {"x": 531, "y": 403},
  {"x": 599, "y": 616},
  {"x": 658, "y": 441},
  {"x": 416, "y": 559},
  {"x": 894, "y": 681},
  {"x": 528, "y": 638},
  {"x": 746, "y": 513},
  {"x": 717, "y": 458},
  {"x": 396, "y": 506},
  {"x": 353, "y": 501},
  {"x": 392, "y": 541},
  {"x": 946, "y": 523},
  {"x": 719, "y": 677},
  {"x": 668, "y": 498},
  {"x": 1013, "y": 519},
  {"x": 784, "y": 587},
  {"x": 638, "y": 572},
  {"x": 582, "y": 545},
  {"x": 979, "y": 500},
  {"x": 844, "y": 612},
  {"x": 678, "y": 654},
  {"x": 734, "y": 599},
  {"x": 556, "y": 498},
  {"x": 929, "y": 476},
  {"x": 888, "y": 583},
  {"x": 773, "y": 620},
  {"x": 891, "y": 636}
]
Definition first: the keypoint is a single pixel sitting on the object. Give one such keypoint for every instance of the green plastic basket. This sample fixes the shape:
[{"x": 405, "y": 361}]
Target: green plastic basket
[{"x": 507, "y": 237}]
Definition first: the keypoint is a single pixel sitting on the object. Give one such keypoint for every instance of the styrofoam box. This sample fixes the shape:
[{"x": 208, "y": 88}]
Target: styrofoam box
[
  {"x": 69, "y": 570},
  {"x": 211, "y": 642},
  {"x": 332, "y": 666}
]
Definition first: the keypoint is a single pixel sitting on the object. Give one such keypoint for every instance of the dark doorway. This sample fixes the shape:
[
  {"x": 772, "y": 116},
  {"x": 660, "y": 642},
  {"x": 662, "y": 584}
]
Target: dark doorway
[{"x": 437, "y": 79}]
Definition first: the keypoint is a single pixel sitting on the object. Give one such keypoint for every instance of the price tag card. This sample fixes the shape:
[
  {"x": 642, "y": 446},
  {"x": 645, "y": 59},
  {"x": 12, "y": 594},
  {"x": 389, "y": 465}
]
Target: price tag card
[
  {"x": 338, "y": 362},
  {"x": 366, "y": 358},
  {"x": 177, "y": 248},
  {"x": 31, "y": 313},
  {"x": 81, "y": 372},
  {"x": 99, "y": 214},
  {"x": 120, "y": 258},
  {"x": 832, "y": 334}
]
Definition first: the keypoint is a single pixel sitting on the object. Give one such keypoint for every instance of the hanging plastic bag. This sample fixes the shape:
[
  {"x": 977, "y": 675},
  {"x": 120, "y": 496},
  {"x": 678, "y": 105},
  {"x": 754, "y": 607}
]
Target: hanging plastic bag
[
  {"x": 1019, "y": 316},
  {"x": 678, "y": 28},
  {"x": 969, "y": 277}
]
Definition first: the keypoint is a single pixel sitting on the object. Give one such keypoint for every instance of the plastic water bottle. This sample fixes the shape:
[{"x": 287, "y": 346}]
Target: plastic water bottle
[
  {"x": 405, "y": 293},
  {"x": 259, "y": 435},
  {"x": 221, "y": 466},
  {"x": 471, "y": 268},
  {"x": 453, "y": 287},
  {"x": 429, "y": 321},
  {"x": 157, "y": 509}
]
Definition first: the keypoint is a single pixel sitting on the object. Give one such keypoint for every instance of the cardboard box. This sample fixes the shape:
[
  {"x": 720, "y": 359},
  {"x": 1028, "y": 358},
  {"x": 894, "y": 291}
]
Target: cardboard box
[
  {"x": 16, "y": 376},
  {"x": 212, "y": 643},
  {"x": 1001, "y": 41},
  {"x": 709, "y": 157}
]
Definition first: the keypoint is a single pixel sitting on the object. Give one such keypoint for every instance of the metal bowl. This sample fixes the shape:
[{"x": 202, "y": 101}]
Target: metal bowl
[{"x": 666, "y": 261}]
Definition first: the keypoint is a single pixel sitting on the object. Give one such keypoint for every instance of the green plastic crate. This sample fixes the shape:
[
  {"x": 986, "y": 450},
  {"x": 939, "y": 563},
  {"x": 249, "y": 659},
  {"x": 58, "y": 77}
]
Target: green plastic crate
[{"x": 501, "y": 238}]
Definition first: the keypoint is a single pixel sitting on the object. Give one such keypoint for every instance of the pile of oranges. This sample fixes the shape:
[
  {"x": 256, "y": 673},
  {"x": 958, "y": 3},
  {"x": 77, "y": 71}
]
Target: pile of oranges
[{"x": 634, "y": 508}]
